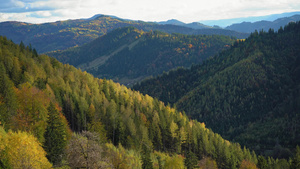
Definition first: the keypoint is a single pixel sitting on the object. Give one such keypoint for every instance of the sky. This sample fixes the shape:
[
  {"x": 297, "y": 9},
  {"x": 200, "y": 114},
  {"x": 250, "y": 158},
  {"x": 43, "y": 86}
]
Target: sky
[{"x": 40, "y": 11}]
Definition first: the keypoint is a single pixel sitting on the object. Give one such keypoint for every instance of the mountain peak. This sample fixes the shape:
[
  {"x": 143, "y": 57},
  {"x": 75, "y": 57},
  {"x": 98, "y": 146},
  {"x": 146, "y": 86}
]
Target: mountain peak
[{"x": 172, "y": 22}]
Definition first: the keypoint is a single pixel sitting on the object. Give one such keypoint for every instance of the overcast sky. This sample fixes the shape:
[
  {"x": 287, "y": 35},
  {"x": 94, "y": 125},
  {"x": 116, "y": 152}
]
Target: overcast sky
[{"x": 39, "y": 11}]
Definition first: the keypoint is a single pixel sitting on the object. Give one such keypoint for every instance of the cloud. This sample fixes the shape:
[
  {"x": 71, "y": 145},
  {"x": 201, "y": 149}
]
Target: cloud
[
  {"x": 11, "y": 4},
  {"x": 23, "y": 6},
  {"x": 147, "y": 10}
]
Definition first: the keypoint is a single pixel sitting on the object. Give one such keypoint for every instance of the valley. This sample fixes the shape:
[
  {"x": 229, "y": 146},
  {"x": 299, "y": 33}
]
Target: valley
[{"x": 107, "y": 92}]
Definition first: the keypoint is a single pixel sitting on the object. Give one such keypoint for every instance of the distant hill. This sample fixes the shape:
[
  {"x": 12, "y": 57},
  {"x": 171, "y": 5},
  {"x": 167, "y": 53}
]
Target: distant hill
[
  {"x": 249, "y": 27},
  {"x": 227, "y": 22},
  {"x": 128, "y": 55},
  {"x": 249, "y": 93},
  {"x": 65, "y": 34},
  {"x": 194, "y": 25}
]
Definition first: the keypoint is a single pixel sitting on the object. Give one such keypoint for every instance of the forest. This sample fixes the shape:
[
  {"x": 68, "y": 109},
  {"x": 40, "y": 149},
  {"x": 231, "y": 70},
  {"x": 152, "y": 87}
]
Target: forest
[
  {"x": 249, "y": 94},
  {"x": 54, "y": 115},
  {"x": 127, "y": 55},
  {"x": 62, "y": 35}
]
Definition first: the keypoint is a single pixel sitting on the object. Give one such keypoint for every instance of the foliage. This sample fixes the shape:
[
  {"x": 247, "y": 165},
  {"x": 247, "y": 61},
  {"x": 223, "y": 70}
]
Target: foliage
[
  {"x": 84, "y": 151},
  {"x": 121, "y": 115},
  {"x": 249, "y": 93},
  {"x": 113, "y": 112},
  {"x": 122, "y": 158},
  {"x": 56, "y": 135},
  {"x": 296, "y": 160},
  {"x": 21, "y": 150}
]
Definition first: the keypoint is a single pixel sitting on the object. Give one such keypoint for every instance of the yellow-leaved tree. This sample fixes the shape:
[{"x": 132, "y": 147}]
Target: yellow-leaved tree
[{"x": 21, "y": 150}]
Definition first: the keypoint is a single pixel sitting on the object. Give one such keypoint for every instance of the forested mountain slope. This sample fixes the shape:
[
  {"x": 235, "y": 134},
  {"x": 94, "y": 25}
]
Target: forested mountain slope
[
  {"x": 41, "y": 100},
  {"x": 128, "y": 55},
  {"x": 249, "y": 93},
  {"x": 61, "y": 35}
]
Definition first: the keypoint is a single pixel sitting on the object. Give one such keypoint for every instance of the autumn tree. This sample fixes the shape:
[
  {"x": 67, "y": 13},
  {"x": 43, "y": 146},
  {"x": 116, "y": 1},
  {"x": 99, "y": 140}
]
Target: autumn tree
[
  {"x": 247, "y": 165},
  {"x": 21, "y": 150}
]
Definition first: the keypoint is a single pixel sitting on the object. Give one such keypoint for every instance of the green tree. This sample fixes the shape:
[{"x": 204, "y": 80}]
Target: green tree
[
  {"x": 190, "y": 160},
  {"x": 146, "y": 160},
  {"x": 56, "y": 135},
  {"x": 296, "y": 159},
  {"x": 8, "y": 100},
  {"x": 262, "y": 162}
]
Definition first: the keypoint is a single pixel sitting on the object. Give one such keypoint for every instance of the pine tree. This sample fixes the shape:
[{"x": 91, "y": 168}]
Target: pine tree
[
  {"x": 56, "y": 135},
  {"x": 190, "y": 160},
  {"x": 296, "y": 159},
  {"x": 146, "y": 160}
]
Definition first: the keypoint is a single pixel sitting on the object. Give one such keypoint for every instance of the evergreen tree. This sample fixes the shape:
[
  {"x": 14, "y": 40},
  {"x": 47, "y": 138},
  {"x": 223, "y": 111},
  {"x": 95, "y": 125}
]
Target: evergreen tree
[
  {"x": 296, "y": 160},
  {"x": 56, "y": 135},
  {"x": 190, "y": 160},
  {"x": 146, "y": 160}
]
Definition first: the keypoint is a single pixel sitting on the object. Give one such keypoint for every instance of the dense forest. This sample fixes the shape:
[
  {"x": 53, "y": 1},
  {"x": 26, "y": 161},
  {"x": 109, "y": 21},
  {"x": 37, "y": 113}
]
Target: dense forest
[
  {"x": 128, "y": 55},
  {"x": 61, "y": 35},
  {"x": 56, "y": 115},
  {"x": 249, "y": 93}
]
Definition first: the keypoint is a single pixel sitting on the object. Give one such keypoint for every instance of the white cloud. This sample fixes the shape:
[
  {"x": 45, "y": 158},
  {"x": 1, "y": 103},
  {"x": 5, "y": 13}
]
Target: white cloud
[{"x": 147, "y": 10}]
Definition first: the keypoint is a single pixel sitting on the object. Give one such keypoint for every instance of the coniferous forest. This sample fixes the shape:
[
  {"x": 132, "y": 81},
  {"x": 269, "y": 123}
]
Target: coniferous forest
[
  {"x": 249, "y": 93},
  {"x": 128, "y": 55},
  {"x": 53, "y": 115}
]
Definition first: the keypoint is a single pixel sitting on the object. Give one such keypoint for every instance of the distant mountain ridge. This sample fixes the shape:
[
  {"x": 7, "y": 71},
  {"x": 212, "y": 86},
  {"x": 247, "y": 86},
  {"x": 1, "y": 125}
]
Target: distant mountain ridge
[
  {"x": 249, "y": 27},
  {"x": 194, "y": 25},
  {"x": 227, "y": 22},
  {"x": 61, "y": 35}
]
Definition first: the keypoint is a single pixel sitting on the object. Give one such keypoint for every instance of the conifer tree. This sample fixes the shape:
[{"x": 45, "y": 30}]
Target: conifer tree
[
  {"x": 190, "y": 160},
  {"x": 146, "y": 160},
  {"x": 56, "y": 135},
  {"x": 296, "y": 160}
]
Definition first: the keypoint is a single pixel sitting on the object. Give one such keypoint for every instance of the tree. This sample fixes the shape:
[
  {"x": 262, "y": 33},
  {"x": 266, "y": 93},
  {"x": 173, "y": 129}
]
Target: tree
[
  {"x": 8, "y": 100},
  {"x": 21, "y": 150},
  {"x": 84, "y": 151},
  {"x": 190, "y": 160},
  {"x": 32, "y": 111},
  {"x": 146, "y": 160},
  {"x": 247, "y": 165},
  {"x": 56, "y": 135},
  {"x": 262, "y": 162},
  {"x": 296, "y": 159}
]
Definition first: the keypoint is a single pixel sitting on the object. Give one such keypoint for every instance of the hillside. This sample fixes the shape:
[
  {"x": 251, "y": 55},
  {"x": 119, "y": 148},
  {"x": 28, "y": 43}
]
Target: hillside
[
  {"x": 128, "y": 55},
  {"x": 248, "y": 94},
  {"x": 42, "y": 99},
  {"x": 249, "y": 27},
  {"x": 65, "y": 34}
]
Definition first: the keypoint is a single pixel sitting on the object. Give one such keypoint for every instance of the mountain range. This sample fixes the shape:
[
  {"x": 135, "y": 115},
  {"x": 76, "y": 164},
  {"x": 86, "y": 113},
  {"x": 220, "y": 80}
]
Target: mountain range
[
  {"x": 128, "y": 55},
  {"x": 61, "y": 35},
  {"x": 227, "y": 22},
  {"x": 249, "y": 27}
]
